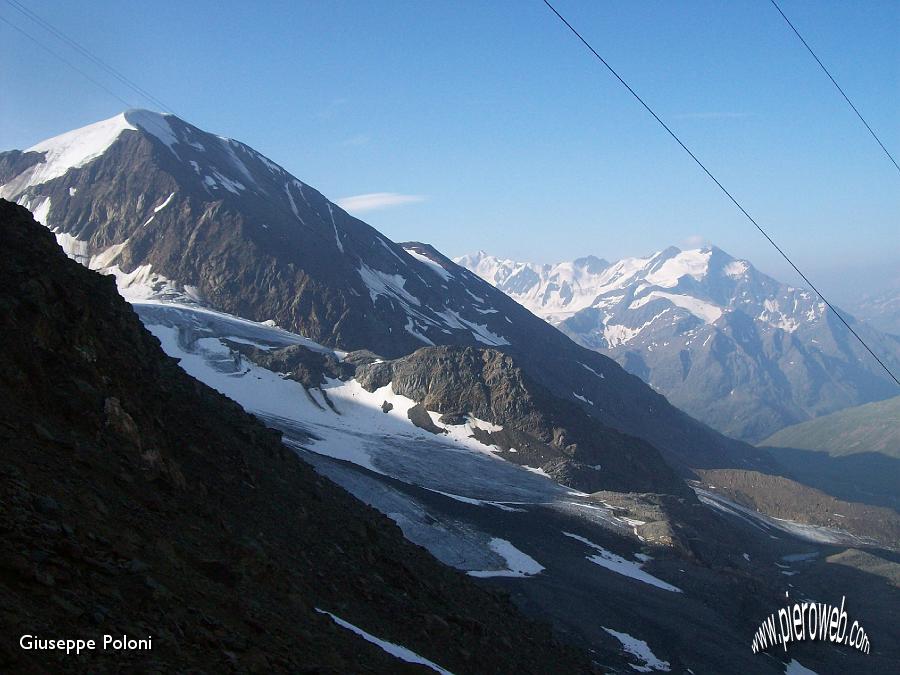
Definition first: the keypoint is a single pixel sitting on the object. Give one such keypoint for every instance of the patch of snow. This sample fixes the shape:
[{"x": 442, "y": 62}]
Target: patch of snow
[
  {"x": 70, "y": 150},
  {"x": 797, "y": 668},
  {"x": 736, "y": 269},
  {"x": 337, "y": 237},
  {"x": 582, "y": 398},
  {"x": 233, "y": 186},
  {"x": 616, "y": 334},
  {"x": 479, "y": 331},
  {"x": 394, "y": 650},
  {"x": 620, "y": 565},
  {"x": 694, "y": 263},
  {"x": 42, "y": 212},
  {"x": 272, "y": 166},
  {"x": 518, "y": 564},
  {"x": 431, "y": 264},
  {"x": 73, "y": 247},
  {"x": 229, "y": 145},
  {"x": 707, "y": 311},
  {"x": 164, "y": 204},
  {"x": 640, "y": 650},
  {"x": 287, "y": 190},
  {"x": 811, "y": 533},
  {"x": 774, "y": 316},
  {"x": 588, "y": 368},
  {"x": 476, "y": 298},
  {"x": 388, "y": 285},
  {"x": 477, "y": 502},
  {"x": 106, "y": 257},
  {"x": 159, "y": 208},
  {"x": 155, "y": 124},
  {"x": 411, "y": 327}
]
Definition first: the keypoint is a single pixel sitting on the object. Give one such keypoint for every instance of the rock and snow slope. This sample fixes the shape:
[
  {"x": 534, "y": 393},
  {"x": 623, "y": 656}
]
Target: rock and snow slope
[
  {"x": 594, "y": 566},
  {"x": 177, "y": 213},
  {"x": 728, "y": 344}
]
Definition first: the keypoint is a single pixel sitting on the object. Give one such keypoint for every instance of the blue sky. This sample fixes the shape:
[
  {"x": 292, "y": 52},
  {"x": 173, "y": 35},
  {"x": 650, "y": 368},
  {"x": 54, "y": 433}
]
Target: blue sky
[{"x": 499, "y": 128}]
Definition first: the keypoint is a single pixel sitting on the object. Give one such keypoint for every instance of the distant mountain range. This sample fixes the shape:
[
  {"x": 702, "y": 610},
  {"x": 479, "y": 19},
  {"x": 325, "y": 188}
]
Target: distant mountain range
[
  {"x": 881, "y": 310},
  {"x": 730, "y": 345}
]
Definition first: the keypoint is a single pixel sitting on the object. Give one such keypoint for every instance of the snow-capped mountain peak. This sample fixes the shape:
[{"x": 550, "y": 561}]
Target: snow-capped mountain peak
[
  {"x": 180, "y": 214},
  {"x": 700, "y": 325},
  {"x": 55, "y": 156},
  {"x": 704, "y": 283}
]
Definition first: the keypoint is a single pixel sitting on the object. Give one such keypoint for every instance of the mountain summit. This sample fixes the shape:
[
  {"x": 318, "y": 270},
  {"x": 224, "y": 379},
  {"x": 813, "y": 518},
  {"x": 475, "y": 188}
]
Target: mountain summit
[
  {"x": 178, "y": 213},
  {"x": 730, "y": 345}
]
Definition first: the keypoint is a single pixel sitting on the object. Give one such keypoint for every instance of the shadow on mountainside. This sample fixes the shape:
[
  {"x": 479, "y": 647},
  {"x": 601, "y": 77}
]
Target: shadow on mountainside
[{"x": 865, "y": 477}]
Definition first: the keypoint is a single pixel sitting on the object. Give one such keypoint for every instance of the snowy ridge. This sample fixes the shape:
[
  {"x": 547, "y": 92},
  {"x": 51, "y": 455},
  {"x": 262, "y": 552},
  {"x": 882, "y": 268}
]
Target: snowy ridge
[
  {"x": 704, "y": 283},
  {"x": 67, "y": 151}
]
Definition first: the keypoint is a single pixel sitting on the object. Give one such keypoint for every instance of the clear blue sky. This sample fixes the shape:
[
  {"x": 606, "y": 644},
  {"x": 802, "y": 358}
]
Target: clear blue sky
[{"x": 516, "y": 141}]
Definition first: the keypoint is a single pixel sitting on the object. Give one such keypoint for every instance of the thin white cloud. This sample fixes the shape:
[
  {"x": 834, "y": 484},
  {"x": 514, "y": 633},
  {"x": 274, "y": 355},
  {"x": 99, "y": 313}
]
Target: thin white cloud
[
  {"x": 695, "y": 241},
  {"x": 331, "y": 108},
  {"x": 355, "y": 141},
  {"x": 376, "y": 200}
]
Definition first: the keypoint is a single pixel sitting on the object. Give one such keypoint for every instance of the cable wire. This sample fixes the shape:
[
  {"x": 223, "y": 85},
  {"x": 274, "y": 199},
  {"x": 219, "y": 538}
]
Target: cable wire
[
  {"x": 724, "y": 190},
  {"x": 66, "y": 61},
  {"x": 151, "y": 121},
  {"x": 46, "y": 25},
  {"x": 837, "y": 86}
]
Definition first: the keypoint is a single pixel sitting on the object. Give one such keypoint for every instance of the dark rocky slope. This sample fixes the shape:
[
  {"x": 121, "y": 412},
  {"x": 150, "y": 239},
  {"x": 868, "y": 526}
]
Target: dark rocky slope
[
  {"x": 780, "y": 497},
  {"x": 539, "y": 429},
  {"x": 137, "y": 500}
]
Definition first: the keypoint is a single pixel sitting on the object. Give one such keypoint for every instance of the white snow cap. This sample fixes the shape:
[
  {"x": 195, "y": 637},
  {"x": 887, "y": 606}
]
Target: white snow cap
[
  {"x": 76, "y": 148},
  {"x": 154, "y": 123}
]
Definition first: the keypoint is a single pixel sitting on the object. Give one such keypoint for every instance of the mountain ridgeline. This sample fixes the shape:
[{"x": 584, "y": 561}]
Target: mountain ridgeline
[{"x": 176, "y": 213}]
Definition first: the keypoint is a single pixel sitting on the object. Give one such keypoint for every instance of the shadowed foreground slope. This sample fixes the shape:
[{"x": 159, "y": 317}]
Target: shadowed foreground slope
[{"x": 138, "y": 501}]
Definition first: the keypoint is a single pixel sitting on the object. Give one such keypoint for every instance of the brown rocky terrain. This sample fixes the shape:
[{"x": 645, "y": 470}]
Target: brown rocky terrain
[{"x": 781, "y": 497}]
